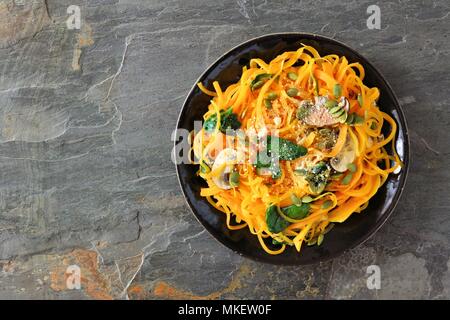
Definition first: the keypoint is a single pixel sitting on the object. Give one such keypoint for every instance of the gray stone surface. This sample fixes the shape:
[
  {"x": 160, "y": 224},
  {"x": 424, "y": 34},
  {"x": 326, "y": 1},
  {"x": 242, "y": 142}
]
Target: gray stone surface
[{"x": 85, "y": 173}]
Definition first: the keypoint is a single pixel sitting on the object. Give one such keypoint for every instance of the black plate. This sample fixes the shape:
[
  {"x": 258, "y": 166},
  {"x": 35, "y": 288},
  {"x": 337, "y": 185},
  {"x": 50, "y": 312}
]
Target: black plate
[{"x": 355, "y": 230}]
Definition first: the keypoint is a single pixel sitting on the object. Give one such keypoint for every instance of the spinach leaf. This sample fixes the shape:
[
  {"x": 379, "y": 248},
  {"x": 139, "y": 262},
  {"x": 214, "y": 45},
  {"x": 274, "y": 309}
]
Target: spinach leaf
[
  {"x": 228, "y": 120},
  {"x": 275, "y": 222},
  {"x": 297, "y": 211},
  {"x": 278, "y": 149},
  {"x": 287, "y": 150}
]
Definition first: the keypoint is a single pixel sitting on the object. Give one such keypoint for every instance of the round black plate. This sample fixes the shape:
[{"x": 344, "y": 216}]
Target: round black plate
[{"x": 359, "y": 227}]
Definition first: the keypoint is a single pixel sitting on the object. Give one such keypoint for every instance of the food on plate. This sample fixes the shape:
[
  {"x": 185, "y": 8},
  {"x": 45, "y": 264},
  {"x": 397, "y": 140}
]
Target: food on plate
[{"x": 295, "y": 146}]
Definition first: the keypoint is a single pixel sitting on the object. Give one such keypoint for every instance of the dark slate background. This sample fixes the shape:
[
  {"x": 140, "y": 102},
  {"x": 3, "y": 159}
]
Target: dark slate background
[{"x": 85, "y": 172}]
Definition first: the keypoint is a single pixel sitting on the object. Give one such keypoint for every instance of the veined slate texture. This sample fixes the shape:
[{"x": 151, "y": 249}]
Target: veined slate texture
[{"x": 85, "y": 172}]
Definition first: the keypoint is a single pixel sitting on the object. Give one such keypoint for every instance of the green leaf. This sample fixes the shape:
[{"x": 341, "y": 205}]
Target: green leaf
[
  {"x": 228, "y": 120},
  {"x": 275, "y": 222},
  {"x": 276, "y": 242},
  {"x": 287, "y": 150},
  {"x": 297, "y": 211}
]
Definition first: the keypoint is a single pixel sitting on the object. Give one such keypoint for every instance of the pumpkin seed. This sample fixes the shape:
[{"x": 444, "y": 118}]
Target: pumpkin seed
[
  {"x": 351, "y": 167},
  {"x": 292, "y": 92},
  {"x": 338, "y": 113},
  {"x": 358, "y": 120},
  {"x": 320, "y": 239},
  {"x": 337, "y": 90},
  {"x": 301, "y": 172},
  {"x": 258, "y": 84},
  {"x": 234, "y": 179},
  {"x": 272, "y": 96},
  {"x": 350, "y": 118},
  {"x": 307, "y": 199},
  {"x": 267, "y": 104},
  {"x": 360, "y": 100},
  {"x": 343, "y": 117},
  {"x": 336, "y": 176},
  {"x": 315, "y": 84},
  {"x": 293, "y": 76},
  {"x": 330, "y": 104},
  {"x": 336, "y": 110},
  {"x": 295, "y": 199},
  {"x": 347, "y": 179},
  {"x": 327, "y": 204},
  {"x": 328, "y": 228}
]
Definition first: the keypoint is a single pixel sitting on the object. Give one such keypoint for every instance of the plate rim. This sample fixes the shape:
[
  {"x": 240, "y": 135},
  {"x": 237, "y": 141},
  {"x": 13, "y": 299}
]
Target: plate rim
[{"x": 407, "y": 152}]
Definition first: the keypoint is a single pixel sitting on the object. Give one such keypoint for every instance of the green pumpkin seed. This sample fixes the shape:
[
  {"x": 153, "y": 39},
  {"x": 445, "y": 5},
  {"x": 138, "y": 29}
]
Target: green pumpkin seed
[
  {"x": 327, "y": 204},
  {"x": 204, "y": 168},
  {"x": 336, "y": 176},
  {"x": 328, "y": 228},
  {"x": 293, "y": 76},
  {"x": 307, "y": 199},
  {"x": 338, "y": 113},
  {"x": 358, "y": 120},
  {"x": 347, "y": 179},
  {"x": 301, "y": 172},
  {"x": 360, "y": 100},
  {"x": 295, "y": 199},
  {"x": 343, "y": 117},
  {"x": 272, "y": 96},
  {"x": 350, "y": 118},
  {"x": 373, "y": 126},
  {"x": 320, "y": 239},
  {"x": 330, "y": 104},
  {"x": 258, "y": 84},
  {"x": 336, "y": 110},
  {"x": 234, "y": 179},
  {"x": 337, "y": 90},
  {"x": 292, "y": 92},
  {"x": 267, "y": 104},
  {"x": 351, "y": 167},
  {"x": 315, "y": 84}
]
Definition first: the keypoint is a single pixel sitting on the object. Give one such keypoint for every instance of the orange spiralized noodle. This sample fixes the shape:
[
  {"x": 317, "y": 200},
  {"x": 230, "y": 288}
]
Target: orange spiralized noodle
[{"x": 245, "y": 205}]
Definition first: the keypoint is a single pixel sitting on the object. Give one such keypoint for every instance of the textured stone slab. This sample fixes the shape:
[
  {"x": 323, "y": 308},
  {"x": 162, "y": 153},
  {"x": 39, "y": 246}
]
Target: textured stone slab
[{"x": 85, "y": 173}]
